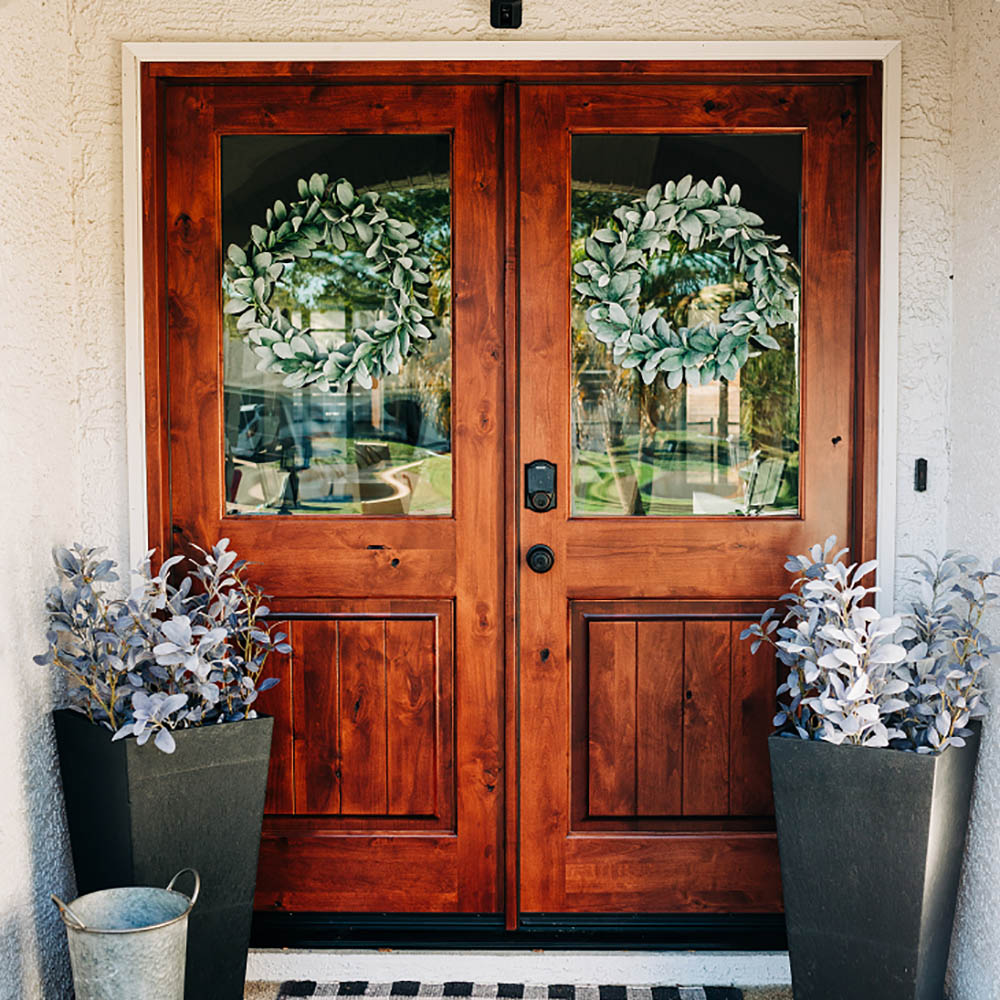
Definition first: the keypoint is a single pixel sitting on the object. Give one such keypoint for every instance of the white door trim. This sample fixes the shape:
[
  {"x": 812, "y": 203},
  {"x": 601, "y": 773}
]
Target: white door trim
[{"x": 134, "y": 54}]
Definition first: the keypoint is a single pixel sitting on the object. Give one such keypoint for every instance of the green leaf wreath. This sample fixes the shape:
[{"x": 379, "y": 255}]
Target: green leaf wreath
[
  {"x": 330, "y": 214},
  {"x": 700, "y": 215}
]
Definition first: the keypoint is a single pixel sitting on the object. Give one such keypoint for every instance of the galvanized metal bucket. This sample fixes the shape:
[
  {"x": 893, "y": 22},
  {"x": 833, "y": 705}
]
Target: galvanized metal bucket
[{"x": 131, "y": 943}]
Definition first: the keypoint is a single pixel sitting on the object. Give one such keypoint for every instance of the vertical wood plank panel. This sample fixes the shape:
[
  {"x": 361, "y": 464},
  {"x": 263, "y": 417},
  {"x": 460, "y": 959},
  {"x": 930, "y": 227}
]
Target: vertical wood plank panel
[
  {"x": 659, "y": 717},
  {"x": 317, "y": 711},
  {"x": 411, "y": 691},
  {"x": 361, "y": 653},
  {"x": 278, "y": 702},
  {"x": 612, "y": 675},
  {"x": 706, "y": 718},
  {"x": 752, "y": 713}
]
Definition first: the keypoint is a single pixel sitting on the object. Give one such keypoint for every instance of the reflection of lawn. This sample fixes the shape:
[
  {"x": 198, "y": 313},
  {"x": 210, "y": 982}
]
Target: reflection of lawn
[{"x": 676, "y": 477}]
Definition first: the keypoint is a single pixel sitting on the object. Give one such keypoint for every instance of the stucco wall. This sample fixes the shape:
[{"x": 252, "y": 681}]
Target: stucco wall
[
  {"x": 39, "y": 487},
  {"x": 63, "y": 373},
  {"x": 974, "y": 502}
]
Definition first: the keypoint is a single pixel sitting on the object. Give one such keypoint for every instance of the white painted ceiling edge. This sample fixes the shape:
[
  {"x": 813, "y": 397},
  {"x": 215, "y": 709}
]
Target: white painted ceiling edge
[{"x": 888, "y": 52}]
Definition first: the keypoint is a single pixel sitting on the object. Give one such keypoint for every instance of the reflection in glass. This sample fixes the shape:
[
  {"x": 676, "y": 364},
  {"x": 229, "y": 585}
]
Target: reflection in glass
[
  {"x": 728, "y": 447},
  {"x": 384, "y": 450}
]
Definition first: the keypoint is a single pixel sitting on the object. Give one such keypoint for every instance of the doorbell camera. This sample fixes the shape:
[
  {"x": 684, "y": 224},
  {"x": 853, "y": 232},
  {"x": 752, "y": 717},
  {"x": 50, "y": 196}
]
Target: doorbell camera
[{"x": 505, "y": 13}]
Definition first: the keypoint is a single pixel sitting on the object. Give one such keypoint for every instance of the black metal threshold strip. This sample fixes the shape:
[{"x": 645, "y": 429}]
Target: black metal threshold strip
[{"x": 639, "y": 932}]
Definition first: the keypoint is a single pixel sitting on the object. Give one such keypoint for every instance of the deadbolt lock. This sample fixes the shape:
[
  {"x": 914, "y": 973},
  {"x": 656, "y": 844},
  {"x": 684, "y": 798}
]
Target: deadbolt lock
[{"x": 540, "y": 558}]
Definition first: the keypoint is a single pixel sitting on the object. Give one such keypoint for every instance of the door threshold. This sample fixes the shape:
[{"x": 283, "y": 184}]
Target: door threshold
[
  {"x": 522, "y": 965},
  {"x": 579, "y": 931}
]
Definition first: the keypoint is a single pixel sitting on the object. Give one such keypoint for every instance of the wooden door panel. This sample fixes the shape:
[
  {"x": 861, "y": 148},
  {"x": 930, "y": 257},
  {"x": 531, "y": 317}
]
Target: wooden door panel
[
  {"x": 317, "y": 721},
  {"x": 376, "y": 800},
  {"x": 672, "y": 714},
  {"x": 612, "y": 723},
  {"x": 303, "y": 868},
  {"x": 277, "y": 702},
  {"x": 363, "y": 721},
  {"x": 682, "y": 873},
  {"x": 630, "y": 659},
  {"x": 706, "y": 718},
  {"x": 412, "y": 700},
  {"x": 374, "y": 714},
  {"x": 659, "y": 717}
]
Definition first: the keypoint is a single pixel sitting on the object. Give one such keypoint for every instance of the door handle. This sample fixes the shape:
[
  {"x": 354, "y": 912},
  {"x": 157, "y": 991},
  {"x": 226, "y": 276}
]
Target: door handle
[{"x": 540, "y": 558}]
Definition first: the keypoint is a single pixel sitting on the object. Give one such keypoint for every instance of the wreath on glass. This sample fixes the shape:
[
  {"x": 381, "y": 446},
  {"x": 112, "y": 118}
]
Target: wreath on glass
[
  {"x": 330, "y": 215},
  {"x": 700, "y": 215}
]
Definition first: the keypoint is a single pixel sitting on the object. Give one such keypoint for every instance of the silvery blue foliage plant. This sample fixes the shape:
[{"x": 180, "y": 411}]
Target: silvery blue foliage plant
[
  {"x": 168, "y": 655},
  {"x": 910, "y": 682}
]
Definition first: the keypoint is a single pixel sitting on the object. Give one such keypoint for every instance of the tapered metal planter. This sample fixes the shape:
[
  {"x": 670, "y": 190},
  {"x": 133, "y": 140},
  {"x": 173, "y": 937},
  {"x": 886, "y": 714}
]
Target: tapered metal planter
[
  {"x": 871, "y": 845},
  {"x": 136, "y": 816}
]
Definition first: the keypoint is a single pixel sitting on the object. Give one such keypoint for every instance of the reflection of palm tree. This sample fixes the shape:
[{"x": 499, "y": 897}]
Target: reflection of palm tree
[{"x": 614, "y": 413}]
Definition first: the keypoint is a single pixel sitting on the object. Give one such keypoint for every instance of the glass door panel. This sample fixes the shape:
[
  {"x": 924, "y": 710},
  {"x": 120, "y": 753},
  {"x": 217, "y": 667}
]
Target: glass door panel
[
  {"x": 375, "y": 445},
  {"x": 670, "y": 444}
]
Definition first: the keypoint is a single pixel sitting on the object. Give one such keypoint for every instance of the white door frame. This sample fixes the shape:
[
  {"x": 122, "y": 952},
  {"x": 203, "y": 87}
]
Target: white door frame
[{"x": 134, "y": 54}]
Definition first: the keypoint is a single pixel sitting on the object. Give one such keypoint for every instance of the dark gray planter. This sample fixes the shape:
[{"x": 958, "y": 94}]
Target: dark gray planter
[
  {"x": 137, "y": 816},
  {"x": 871, "y": 845}
]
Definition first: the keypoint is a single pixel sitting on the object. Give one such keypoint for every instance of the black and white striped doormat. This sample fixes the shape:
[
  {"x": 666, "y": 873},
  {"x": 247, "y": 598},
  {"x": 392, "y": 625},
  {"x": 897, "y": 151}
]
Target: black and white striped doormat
[{"x": 504, "y": 991}]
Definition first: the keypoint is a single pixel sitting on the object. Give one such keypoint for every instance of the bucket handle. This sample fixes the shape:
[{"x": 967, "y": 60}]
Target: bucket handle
[
  {"x": 197, "y": 885},
  {"x": 68, "y": 915}
]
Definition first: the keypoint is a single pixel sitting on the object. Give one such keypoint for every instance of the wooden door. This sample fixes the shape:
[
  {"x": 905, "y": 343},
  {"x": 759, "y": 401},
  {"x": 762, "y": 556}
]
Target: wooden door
[
  {"x": 373, "y": 516},
  {"x": 643, "y": 757},
  {"x": 454, "y": 731}
]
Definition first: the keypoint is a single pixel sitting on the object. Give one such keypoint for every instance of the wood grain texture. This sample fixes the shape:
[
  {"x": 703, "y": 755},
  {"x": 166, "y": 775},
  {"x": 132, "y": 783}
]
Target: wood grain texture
[
  {"x": 659, "y": 717},
  {"x": 346, "y": 580},
  {"x": 627, "y": 569},
  {"x": 706, "y": 718},
  {"x": 478, "y": 429},
  {"x": 278, "y": 703},
  {"x": 315, "y": 678},
  {"x": 521, "y": 70},
  {"x": 362, "y": 705},
  {"x": 866, "y": 436},
  {"x": 543, "y": 412},
  {"x": 510, "y": 177},
  {"x": 681, "y": 873},
  {"x": 511, "y": 238},
  {"x": 154, "y": 314},
  {"x": 411, "y": 718},
  {"x": 611, "y": 662},
  {"x": 356, "y": 873},
  {"x": 753, "y": 704}
]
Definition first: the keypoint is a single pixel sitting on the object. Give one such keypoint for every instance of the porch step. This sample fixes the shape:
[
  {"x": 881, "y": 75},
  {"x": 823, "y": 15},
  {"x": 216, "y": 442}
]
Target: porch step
[{"x": 627, "y": 968}]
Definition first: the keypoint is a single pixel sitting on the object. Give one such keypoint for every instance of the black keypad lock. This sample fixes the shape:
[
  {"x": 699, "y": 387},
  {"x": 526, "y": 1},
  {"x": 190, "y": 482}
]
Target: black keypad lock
[{"x": 540, "y": 486}]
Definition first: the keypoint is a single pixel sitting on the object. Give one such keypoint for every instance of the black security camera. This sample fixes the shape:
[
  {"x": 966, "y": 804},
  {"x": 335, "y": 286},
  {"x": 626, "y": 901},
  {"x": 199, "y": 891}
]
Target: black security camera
[{"x": 505, "y": 13}]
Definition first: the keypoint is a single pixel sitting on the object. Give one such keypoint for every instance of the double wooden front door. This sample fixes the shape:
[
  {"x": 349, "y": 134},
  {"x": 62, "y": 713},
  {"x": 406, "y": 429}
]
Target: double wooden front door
[{"x": 456, "y": 731}]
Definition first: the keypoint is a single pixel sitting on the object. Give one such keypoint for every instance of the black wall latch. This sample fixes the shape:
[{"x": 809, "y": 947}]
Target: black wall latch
[
  {"x": 920, "y": 475},
  {"x": 540, "y": 486}
]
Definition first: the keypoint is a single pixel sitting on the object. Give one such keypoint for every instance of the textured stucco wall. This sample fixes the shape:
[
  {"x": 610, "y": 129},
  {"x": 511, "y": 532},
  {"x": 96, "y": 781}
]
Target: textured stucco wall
[
  {"x": 63, "y": 374},
  {"x": 974, "y": 501},
  {"x": 39, "y": 487}
]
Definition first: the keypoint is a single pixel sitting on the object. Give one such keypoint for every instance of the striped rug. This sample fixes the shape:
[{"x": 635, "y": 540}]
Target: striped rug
[{"x": 503, "y": 991}]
